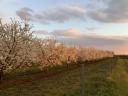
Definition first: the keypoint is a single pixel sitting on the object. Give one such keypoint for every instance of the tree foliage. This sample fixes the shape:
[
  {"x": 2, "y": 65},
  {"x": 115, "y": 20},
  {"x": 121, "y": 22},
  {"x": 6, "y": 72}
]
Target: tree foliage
[
  {"x": 15, "y": 45},
  {"x": 52, "y": 53}
]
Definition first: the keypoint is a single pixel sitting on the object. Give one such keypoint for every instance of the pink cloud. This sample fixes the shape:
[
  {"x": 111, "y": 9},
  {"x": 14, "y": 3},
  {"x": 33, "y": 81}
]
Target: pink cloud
[
  {"x": 70, "y": 32},
  {"x": 73, "y": 36},
  {"x": 121, "y": 49}
]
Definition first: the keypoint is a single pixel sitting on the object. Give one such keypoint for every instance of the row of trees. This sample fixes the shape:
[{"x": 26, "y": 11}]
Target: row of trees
[
  {"x": 52, "y": 53},
  {"x": 19, "y": 49}
]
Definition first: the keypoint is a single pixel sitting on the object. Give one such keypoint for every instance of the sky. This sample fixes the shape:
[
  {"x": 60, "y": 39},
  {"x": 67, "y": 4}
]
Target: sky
[{"x": 101, "y": 24}]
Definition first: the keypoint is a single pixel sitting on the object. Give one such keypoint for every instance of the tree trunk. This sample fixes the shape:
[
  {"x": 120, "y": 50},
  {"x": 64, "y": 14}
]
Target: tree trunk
[
  {"x": 67, "y": 66},
  {"x": 1, "y": 75}
]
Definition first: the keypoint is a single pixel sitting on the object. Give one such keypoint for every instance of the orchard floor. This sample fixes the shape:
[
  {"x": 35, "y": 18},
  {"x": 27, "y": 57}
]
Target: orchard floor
[{"x": 108, "y": 77}]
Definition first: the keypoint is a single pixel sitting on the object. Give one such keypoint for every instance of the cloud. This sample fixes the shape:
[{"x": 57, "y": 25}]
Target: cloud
[
  {"x": 116, "y": 45},
  {"x": 99, "y": 41},
  {"x": 42, "y": 32},
  {"x": 72, "y": 36},
  {"x": 70, "y": 32},
  {"x": 25, "y": 13},
  {"x": 116, "y": 11},
  {"x": 122, "y": 49},
  {"x": 92, "y": 29},
  {"x": 57, "y": 15}
]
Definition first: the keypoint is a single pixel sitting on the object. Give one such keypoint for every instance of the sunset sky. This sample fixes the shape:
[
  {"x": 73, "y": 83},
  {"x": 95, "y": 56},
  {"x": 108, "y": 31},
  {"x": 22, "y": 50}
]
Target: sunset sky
[{"x": 92, "y": 23}]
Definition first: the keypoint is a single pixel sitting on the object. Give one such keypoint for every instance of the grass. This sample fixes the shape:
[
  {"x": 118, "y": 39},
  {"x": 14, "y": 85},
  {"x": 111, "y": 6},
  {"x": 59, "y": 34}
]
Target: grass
[
  {"x": 104, "y": 78},
  {"x": 120, "y": 76}
]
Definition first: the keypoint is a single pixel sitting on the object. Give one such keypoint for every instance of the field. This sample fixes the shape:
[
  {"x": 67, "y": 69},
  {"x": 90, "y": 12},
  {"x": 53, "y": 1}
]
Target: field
[{"x": 107, "y": 77}]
